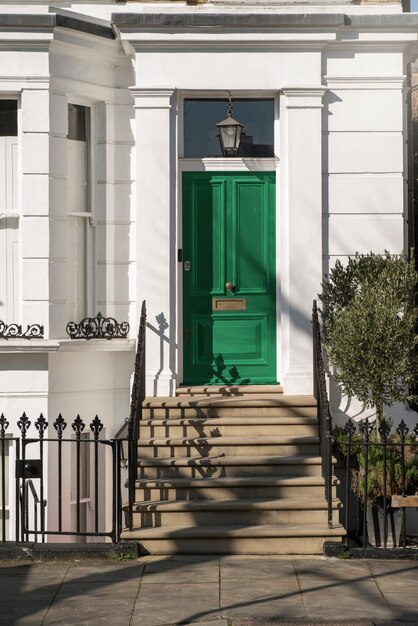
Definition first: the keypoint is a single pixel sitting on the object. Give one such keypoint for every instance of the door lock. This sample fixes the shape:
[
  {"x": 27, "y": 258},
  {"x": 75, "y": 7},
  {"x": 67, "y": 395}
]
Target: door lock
[{"x": 187, "y": 266}]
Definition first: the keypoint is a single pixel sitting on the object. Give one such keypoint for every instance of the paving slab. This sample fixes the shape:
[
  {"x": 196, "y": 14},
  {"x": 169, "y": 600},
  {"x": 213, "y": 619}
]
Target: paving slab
[
  {"x": 265, "y": 587},
  {"x": 19, "y": 568},
  {"x": 403, "y": 606},
  {"x": 234, "y": 569},
  {"x": 261, "y": 598},
  {"x": 182, "y": 571},
  {"x": 92, "y": 612},
  {"x": 334, "y": 568},
  {"x": 176, "y": 603},
  {"x": 266, "y": 608},
  {"x": 339, "y": 607},
  {"x": 300, "y": 622},
  {"x": 397, "y": 584},
  {"x": 39, "y": 589},
  {"x": 402, "y": 571},
  {"x": 105, "y": 572},
  {"x": 337, "y": 587},
  {"x": 22, "y": 613},
  {"x": 77, "y": 591},
  {"x": 218, "y": 621}
]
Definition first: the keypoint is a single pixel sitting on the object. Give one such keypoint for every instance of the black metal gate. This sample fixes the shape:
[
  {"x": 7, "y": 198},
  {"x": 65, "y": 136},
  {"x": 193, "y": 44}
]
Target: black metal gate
[{"x": 59, "y": 479}]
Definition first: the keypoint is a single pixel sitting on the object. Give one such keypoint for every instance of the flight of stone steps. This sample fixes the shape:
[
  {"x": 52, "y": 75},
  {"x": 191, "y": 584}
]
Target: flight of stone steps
[{"x": 231, "y": 470}]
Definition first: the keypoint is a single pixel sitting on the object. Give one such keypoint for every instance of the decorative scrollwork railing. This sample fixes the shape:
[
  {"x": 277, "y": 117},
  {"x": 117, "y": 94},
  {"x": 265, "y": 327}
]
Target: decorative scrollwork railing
[
  {"x": 98, "y": 327},
  {"x": 15, "y": 331}
]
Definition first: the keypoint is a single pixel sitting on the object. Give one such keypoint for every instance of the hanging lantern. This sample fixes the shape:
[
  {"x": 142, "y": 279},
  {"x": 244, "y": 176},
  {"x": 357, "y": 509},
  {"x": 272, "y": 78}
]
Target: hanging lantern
[{"x": 230, "y": 132}]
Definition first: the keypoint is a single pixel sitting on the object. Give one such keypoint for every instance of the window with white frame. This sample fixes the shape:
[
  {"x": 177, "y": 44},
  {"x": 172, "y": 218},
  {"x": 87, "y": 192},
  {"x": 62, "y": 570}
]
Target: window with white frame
[
  {"x": 80, "y": 232},
  {"x": 9, "y": 217}
]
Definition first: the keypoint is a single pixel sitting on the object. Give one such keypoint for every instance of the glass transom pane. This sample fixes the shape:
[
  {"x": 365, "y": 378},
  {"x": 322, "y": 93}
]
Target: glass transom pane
[{"x": 201, "y": 135}]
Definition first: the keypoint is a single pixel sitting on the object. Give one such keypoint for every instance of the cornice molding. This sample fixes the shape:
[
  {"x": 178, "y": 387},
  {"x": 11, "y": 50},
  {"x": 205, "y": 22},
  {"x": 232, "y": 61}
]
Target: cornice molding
[
  {"x": 136, "y": 21},
  {"x": 47, "y": 22},
  {"x": 365, "y": 82},
  {"x": 152, "y": 98}
]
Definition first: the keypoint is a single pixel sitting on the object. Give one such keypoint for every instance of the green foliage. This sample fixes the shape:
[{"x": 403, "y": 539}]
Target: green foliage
[
  {"x": 369, "y": 315},
  {"x": 344, "y": 556},
  {"x": 127, "y": 556},
  {"x": 375, "y": 469}
]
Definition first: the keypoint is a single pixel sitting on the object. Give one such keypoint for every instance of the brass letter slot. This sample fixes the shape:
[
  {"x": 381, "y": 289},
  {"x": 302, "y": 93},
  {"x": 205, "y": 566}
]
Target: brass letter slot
[{"x": 229, "y": 304}]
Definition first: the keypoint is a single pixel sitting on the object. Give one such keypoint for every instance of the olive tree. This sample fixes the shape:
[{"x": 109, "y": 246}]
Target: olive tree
[{"x": 369, "y": 316}]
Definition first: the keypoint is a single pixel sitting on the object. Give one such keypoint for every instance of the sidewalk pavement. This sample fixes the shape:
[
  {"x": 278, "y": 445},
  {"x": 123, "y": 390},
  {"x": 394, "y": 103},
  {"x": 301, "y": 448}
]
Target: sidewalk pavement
[{"x": 209, "y": 591}]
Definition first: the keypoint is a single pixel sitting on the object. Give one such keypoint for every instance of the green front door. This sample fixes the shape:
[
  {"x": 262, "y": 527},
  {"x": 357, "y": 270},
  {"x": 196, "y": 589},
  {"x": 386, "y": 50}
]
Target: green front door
[{"x": 229, "y": 279}]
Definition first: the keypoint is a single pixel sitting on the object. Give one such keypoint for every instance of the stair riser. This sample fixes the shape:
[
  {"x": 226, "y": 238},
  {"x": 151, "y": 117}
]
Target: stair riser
[
  {"x": 258, "y": 545},
  {"x": 215, "y": 518},
  {"x": 229, "y": 470},
  {"x": 238, "y": 430},
  {"x": 160, "y": 452},
  {"x": 230, "y": 390},
  {"x": 222, "y": 411},
  {"x": 225, "y": 493}
]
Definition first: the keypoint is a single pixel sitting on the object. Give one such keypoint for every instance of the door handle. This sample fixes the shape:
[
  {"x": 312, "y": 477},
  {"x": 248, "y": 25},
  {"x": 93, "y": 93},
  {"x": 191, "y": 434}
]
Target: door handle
[{"x": 230, "y": 286}]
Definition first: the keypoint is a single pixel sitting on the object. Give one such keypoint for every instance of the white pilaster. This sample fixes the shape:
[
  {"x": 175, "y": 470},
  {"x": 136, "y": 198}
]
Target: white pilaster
[
  {"x": 301, "y": 235},
  {"x": 155, "y": 215},
  {"x": 35, "y": 206}
]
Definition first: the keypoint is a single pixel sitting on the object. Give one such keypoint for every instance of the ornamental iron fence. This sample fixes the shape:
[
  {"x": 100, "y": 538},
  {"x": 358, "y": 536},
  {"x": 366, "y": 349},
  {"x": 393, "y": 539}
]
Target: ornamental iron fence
[
  {"x": 380, "y": 482},
  {"x": 69, "y": 479},
  {"x": 59, "y": 479}
]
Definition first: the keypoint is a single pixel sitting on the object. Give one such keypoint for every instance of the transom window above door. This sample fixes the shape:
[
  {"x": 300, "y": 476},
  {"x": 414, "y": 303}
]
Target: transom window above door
[{"x": 201, "y": 134}]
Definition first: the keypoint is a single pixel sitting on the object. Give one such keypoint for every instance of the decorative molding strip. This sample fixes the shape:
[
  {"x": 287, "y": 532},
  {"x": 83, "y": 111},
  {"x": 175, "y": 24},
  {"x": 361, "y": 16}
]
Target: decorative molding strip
[
  {"x": 14, "y": 331},
  {"x": 268, "y": 164},
  {"x": 98, "y": 327}
]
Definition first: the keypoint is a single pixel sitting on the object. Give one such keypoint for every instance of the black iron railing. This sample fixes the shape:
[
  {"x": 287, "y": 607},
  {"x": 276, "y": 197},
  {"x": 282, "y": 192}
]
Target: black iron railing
[
  {"x": 324, "y": 414},
  {"x": 135, "y": 414},
  {"x": 33, "y": 508},
  {"x": 381, "y": 470},
  {"x": 80, "y": 473}
]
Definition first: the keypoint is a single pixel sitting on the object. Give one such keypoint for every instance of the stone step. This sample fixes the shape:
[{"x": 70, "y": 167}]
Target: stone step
[
  {"x": 248, "y": 511},
  {"x": 229, "y": 466},
  {"x": 227, "y": 390},
  {"x": 228, "y": 426},
  {"x": 225, "y": 410},
  {"x": 251, "y": 405},
  {"x": 227, "y": 488},
  {"x": 231, "y": 446},
  {"x": 231, "y": 470},
  {"x": 234, "y": 539}
]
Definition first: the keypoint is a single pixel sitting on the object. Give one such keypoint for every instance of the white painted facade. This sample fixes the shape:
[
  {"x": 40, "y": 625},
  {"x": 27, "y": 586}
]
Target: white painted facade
[{"x": 337, "y": 72}]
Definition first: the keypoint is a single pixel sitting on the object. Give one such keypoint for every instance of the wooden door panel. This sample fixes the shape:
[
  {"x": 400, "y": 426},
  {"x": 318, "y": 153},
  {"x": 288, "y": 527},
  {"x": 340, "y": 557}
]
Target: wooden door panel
[
  {"x": 229, "y": 236},
  {"x": 251, "y": 249}
]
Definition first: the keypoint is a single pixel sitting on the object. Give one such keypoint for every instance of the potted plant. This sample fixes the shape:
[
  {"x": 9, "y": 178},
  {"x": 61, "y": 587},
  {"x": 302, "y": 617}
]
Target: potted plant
[{"x": 369, "y": 315}]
